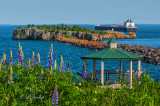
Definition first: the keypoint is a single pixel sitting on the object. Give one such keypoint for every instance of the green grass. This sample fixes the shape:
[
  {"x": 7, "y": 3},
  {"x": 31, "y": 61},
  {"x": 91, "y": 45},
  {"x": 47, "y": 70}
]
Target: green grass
[{"x": 27, "y": 89}]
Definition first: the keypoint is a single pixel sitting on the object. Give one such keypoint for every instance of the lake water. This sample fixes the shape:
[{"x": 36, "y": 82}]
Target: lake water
[{"x": 148, "y": 35}]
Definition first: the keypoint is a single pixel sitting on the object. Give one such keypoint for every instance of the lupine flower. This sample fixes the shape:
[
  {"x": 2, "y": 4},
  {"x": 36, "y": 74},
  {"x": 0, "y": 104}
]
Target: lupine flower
[
  {"x": 10, "y": 57},
  {"x": 84, "y": 74},
  {"x": 32, "y": 60},
  {"x": 62, "y": 67},
  {"x": 42, "y": 76},
  {"x": 55, "y": 65},
  {"x": 55, "y": 96},
  {"x": 51, "y": 71},
  {"x": 0, "y": 66},
  {"x": 20, "y": 56},
  {"x": 11, "y": 77},
  {"x": 92, "y": 77},
  {"x": 50, "y": 62},
  {"x": 38, "y": 59},
  {"x": 4, "y": 61},
  {"x": 29, "y": 64},
  {"x": 69, "y": 67}
]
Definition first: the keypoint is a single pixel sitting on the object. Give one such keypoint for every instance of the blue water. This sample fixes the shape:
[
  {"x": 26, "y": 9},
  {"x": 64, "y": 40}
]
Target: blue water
[{"x": 148, "y": 35}]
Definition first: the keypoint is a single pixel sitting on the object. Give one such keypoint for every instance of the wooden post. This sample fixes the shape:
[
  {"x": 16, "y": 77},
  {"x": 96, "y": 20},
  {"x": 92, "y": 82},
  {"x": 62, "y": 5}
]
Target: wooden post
[
  {"x": 139, "y": 67},
  {"x": 130, "y": 75},
  {"x": 102, "y": 72},
  {"x": 120, "y": 70},
  {"x": 94, "y": 69}
]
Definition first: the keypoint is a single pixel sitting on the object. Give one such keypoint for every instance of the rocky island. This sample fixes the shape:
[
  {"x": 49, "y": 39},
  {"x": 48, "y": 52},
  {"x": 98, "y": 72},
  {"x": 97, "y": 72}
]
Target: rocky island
[
  {"x": 52, "y": 32},
  {"x": 83, "y": 37}
]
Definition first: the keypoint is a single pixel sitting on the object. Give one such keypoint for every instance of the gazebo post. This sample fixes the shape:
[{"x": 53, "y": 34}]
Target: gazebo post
[
  {"x": 120, "y": 70},
  {"x": 102, "y": 72},
  {"x": 94, "y": 69},
  {"x": 139, "y": 67},
  {"x": 130, "y": 75}
]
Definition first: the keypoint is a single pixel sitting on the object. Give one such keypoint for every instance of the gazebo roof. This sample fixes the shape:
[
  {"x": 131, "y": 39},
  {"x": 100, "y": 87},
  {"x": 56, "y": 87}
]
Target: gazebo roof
[
  {"x": 111, "y": 41},
  {"x": 112, "y": 54}
]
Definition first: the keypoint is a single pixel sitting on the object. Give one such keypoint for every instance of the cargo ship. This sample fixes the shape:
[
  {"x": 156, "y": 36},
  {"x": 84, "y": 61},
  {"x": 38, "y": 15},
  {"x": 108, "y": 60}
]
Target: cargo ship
[{"x": 128, "y": 26}]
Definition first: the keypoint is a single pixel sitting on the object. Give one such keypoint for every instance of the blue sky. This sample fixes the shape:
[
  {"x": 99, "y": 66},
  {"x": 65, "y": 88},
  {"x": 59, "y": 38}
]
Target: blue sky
[{"x": 21, "y": 12}]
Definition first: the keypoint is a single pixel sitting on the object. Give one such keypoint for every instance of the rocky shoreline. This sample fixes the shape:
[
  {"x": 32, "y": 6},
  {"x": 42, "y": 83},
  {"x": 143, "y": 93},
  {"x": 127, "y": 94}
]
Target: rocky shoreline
[
  {"x": 151, "y": 55},
  {"x": 88, "y": 40}
]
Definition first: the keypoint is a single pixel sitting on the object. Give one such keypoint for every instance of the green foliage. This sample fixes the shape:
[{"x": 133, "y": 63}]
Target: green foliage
[
  {"x": 33, "y": 30},
  {"x": 32, "y": 25},
  {"x": 27, "y": 89},
  {"x": 29, "y": 25},
  {"x": 60, "y": 27}
]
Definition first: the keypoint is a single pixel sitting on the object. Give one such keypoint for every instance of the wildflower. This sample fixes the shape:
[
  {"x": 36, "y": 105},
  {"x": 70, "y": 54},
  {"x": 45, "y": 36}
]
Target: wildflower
[
  {"x": 55, "y": 96},
  {"x": 51, "y": 71},
  {"x": 29, "y": 64},
  {"x": 77, "y": 87},
  {"x": 95, "y": 92},
  {"x": 84, "y": 74},
  {"x": 55, "y": 65},
  {"x": 0, "y": 66},
  {"x": 50, "y": 62},
  {"x": 92, "y": 77},
  {"x": 79, "y": 84},
  {"x": 42, "y": 74},
  {"x": 32, "y": 60},
  {"x": 4, "y": 61},
  {"x": 62, "y": 67},
  {"x": 10, "y": 57},
  {"x": 38, "y": 59},
  {"x": 11, "y": 77},
  {"x": 74, "y": 83},
  {"x": 20, "y": 56},
  {"x": 69, "y": 68}
]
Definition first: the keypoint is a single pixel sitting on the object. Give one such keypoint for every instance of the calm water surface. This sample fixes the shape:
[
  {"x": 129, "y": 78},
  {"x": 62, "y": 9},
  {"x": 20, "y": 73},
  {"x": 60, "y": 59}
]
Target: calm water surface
[{"x": 148, "y": 35}]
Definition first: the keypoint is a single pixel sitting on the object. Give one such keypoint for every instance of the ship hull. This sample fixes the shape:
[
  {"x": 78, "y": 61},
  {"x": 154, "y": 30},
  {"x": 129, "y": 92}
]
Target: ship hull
[{"x": 120, "y": 29}]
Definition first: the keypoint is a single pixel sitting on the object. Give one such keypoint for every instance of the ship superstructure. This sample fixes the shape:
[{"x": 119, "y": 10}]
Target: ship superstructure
[{"x": 128, "y": 26}]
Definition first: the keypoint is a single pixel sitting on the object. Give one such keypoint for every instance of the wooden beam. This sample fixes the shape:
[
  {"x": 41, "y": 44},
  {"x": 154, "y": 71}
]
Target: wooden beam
[
  {"x": 102, "y": 72},
  {"x": 130, "y": 75},
  {"x": 94, "y": 69}
]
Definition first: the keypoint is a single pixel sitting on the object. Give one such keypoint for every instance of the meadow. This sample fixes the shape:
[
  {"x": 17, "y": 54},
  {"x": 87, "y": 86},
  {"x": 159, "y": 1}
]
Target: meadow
[{"x": 33, "y": 84}]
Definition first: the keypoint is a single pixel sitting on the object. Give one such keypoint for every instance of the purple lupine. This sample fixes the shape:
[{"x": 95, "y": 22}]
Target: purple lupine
[
  {"x": 50, "y": 61},
  {"x": 55, "y": 96},
  {"x": 69, "y": 67},
  {"x": 38, "y": 59},
  {"x": 4, "y": 61},
  {"x": 11, "y": 58},
  {"x": 84, "y": 74},
  {"x": 32, "y": 60},
  {"x": 62, "y": 67}
]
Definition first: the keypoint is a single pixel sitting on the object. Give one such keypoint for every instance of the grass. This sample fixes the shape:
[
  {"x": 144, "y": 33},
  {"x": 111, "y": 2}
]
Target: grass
[{"x": 27, "y": 89}]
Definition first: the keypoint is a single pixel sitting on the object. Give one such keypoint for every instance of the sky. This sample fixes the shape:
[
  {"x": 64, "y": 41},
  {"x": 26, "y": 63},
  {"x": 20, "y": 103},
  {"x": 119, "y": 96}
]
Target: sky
[{"x": 23, "y": 12}]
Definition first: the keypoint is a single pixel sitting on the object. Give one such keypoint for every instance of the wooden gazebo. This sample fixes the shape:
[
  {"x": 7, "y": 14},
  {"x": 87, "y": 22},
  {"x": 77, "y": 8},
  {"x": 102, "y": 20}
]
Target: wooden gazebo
[{"x": 113, "y": 53}]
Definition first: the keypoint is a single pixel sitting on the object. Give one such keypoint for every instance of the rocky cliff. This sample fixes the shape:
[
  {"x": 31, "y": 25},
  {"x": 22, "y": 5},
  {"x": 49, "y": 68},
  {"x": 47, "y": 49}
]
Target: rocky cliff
[{"x": 34, "y": 33}]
